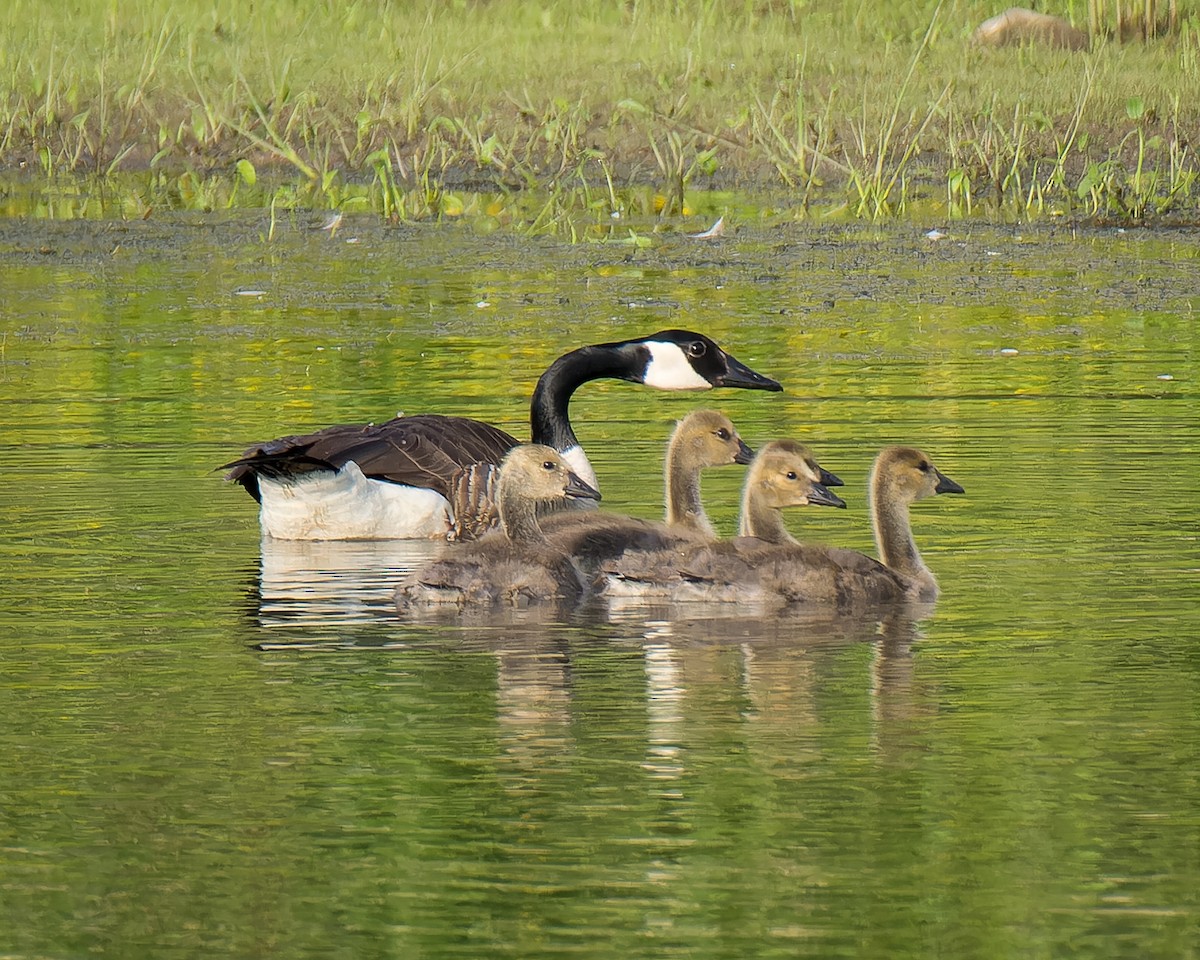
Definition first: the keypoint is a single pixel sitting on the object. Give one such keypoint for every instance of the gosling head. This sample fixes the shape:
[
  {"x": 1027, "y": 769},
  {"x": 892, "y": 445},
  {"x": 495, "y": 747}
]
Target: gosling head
[
  {"x": 540, "y": 473},
  {"x": 785, "y": 474},
  {"x": 910, "y": 475},
  {"x": 707, "y": 438}
]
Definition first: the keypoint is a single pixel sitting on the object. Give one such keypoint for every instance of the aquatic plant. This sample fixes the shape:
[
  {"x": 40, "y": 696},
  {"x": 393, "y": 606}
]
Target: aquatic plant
[{"x": 861, "y": 107}]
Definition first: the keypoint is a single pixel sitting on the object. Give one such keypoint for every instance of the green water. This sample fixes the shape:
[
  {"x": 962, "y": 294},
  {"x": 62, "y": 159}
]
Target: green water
[{"x": 212, "y": 750}]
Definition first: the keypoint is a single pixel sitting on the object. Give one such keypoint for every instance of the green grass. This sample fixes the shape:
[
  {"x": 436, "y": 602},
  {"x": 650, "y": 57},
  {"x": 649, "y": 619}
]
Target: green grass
[{"x": 407, "y": 108}]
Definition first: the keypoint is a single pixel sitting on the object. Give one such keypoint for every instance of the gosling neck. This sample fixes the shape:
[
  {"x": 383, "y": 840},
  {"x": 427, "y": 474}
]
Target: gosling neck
[
  {"x": 684, "y": 506},
  {"x": 518, "y": 514},
  {"x": 894, "y": 539},
  {"x": 762, "y": 521}
]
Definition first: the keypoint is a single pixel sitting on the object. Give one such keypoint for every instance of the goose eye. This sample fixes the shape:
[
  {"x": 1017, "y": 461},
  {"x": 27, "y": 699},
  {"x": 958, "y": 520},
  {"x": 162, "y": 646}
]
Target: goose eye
[
  {"x": 549, "y": 464},
  {"x": 722, "y": 433},
  {"x": 697, "y": 348},
  {"x": 923, "y": 466},
  {"x": 791, "y": 474}
]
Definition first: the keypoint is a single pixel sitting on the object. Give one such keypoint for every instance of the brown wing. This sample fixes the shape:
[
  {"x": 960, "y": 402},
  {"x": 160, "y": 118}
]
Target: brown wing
[
  {"x": 593, "y": 537},
  {"x": 473, "y": 501},
  {"x": 426, "y": 450},
  {"x": 805, "y": 573},
  {"x": 798, "y": 573}
]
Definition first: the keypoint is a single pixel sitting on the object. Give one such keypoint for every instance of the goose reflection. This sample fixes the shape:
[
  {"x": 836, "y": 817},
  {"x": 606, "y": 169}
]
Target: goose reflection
[{"x": 331, "y": 583}]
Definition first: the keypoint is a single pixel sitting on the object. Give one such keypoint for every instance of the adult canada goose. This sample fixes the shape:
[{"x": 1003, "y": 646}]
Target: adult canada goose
[
  {"x": 432, "y": 476},
  {"x": 748, "y": 569},
  {"x": 704, "y": 438},
  {"x": 513, "y": 565}
]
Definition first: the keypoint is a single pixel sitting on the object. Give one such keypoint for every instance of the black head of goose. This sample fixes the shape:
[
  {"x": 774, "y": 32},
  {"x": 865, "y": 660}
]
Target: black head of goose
[
  {"x": 513, "y": 565},
  {"x": 430, "y": 475},
  {"x": 702, "y": 439}
]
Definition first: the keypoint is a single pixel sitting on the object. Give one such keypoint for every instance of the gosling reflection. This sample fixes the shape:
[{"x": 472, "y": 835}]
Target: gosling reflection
[
  {"x": 533, "y": 705},
  {"x": 901, "y": 703},
  {"x": 776, "y": 685}
]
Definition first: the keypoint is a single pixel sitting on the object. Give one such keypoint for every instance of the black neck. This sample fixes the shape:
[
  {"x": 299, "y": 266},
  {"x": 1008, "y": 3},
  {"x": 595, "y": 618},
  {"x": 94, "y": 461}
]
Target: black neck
[{"x": 549, "y": 419}]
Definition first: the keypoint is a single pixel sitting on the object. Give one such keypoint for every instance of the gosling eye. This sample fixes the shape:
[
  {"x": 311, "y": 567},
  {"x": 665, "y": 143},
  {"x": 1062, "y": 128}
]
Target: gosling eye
[
  {"x": 697, "y": 348},
  {"x": 791, "y": 475},
  {"x": 722, "y": 433},
  {"x": 548, "y": 464},
  {"x": 924, "y": 466}
]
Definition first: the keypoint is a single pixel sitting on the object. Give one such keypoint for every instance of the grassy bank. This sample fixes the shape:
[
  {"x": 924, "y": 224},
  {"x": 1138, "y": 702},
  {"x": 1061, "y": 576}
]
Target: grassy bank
[{"x": 404, "y": 107}]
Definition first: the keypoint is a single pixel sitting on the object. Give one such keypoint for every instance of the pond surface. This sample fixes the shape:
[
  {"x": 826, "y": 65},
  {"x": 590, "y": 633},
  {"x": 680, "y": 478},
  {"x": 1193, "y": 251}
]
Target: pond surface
[{"x": 210, "y": 748}]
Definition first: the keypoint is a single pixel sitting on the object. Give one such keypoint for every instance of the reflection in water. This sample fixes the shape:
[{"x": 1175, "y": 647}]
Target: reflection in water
[
  {"x": 533, "y": 706},
  {"x": 664, "y": 693},
  {"x": 697, "y": 658},
  {"x": 307, "y": 587},
  {"x": 897, "y": 699},
  {"x": 690, "y": 651},
  {"x": 329, "y": 583},
  {"x": 687, "y": 647}
]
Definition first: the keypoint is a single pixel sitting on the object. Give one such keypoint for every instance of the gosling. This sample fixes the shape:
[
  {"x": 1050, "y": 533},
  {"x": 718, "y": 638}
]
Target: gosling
[
  {"x": 786, "y": 573},
  {"x": 704, "y": 438},
  {"x": 783, "y": 474},
  {"x": 514, "y": 565}
]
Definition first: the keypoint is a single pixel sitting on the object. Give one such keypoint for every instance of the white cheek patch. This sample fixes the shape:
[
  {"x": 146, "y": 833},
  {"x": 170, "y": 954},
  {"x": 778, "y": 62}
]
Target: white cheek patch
[
  {"x": 669, "y": 369},
  {"x": 580, "y": 466}
]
